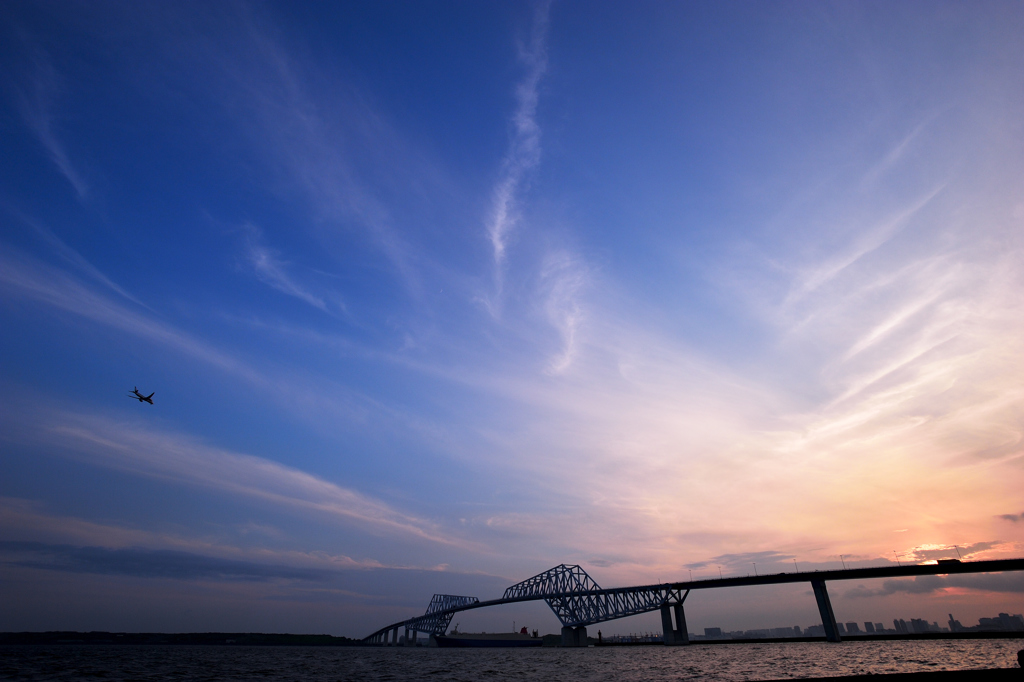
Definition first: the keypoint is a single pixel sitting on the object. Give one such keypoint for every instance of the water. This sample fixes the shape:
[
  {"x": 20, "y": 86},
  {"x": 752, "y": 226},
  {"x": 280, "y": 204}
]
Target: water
[{"x": 629, "y": 664}]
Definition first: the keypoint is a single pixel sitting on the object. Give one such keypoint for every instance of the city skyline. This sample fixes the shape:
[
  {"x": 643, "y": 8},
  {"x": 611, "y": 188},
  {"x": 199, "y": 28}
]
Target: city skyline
[{"x": 432, "y": 297}]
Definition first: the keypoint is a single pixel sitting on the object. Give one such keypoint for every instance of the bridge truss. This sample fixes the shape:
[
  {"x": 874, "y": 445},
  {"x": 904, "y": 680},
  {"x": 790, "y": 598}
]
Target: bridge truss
[
  {"x": 578, "y": 600},
  {"x": 574, "y": 597},
  {"x": 440, "y": 611}
]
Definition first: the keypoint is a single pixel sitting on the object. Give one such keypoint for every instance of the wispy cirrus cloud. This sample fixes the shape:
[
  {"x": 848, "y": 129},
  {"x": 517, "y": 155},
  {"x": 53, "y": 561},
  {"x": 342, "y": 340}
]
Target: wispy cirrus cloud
[
  {"x": 146, "y": 563},
  {"x": 30, "y": 278},
  {"x": 562, "y": 279},
  {"x": 37, "y": 543},
  {"x": 37, "y": 100},
  {"x": 866, "y": 241},
  {"x": 895, "y": 394},
  {"x": 320, "y": 401},
  {"x": 524, "y": 149},
  {"x": 272, "y": 271},
  {"x": 76, "y": 259},
  {"x": 897, "y": 153},
  {"x": 323, "y": 145},
  {"x": 26, "y": 521},
  {"x": 176, "y": 457}
]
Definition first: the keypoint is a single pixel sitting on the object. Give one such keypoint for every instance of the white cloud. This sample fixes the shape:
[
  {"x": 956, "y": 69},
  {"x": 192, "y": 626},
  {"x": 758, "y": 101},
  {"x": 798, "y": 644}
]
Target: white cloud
[
  {"x": 179, "y": 458},
  {"x": 28, "y": 277},
  {"x": 895, "y": 393},
  {"x": 76, "y": 259},
  {"x": 866, "y": 241},
  {"x": 524, "y": 148},
  {"x": 316, "y": 142},
  {"x": 270, "y": 270},
  {"x": 563, "y": 276},
  {"x": 36, "y": 104}
]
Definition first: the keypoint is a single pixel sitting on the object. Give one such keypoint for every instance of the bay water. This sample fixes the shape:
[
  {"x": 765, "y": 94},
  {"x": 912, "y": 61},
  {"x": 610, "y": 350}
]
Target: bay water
[{"x": 629, "y": 664}]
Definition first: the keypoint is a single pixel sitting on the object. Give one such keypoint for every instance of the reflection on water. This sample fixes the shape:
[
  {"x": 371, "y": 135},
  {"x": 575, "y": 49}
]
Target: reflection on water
[{"x": 721, "y": 662}]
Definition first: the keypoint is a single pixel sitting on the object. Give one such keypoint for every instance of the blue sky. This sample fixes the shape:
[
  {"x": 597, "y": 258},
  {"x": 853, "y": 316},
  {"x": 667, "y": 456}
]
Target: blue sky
[{"x": 434, "y": 297}]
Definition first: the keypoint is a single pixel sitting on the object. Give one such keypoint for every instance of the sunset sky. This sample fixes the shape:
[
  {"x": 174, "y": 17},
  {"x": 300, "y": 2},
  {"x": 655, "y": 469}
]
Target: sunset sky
[{"x": 436, "y": 296}]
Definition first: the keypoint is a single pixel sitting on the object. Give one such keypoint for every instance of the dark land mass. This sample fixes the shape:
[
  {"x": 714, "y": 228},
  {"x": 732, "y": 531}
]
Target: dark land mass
[{"x": 191, "y": 638}]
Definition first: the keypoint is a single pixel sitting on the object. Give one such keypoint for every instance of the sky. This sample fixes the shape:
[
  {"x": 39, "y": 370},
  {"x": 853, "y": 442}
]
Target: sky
[{"x": 433, "y": 297}]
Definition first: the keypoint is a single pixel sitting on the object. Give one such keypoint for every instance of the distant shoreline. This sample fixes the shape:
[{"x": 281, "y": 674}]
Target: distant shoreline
[
  {"x": 272, "y": 639},
  {"x": 180, "y": 638},
  {"x": 995, "y": 634}
]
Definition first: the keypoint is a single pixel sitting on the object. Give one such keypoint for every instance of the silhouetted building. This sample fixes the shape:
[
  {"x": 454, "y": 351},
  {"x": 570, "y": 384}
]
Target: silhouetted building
[
  {"x": 1013, "y": 623},
  {"x": 954, "y": 625},
  {"x": 786, "y": 632},
  {"x": 1003, "y": 621},
  {"x": 840, "y": 628},
  {"x": 852, "y": 629},
  {"x": 921, "y": 626},
  {"x": 869, "y": 627},
  {"x": 712, "y": 632}
]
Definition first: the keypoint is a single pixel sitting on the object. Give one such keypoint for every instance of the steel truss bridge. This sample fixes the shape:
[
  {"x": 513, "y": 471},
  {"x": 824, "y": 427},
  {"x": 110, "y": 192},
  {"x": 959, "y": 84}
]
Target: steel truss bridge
[{"x": 578, "y": 601}]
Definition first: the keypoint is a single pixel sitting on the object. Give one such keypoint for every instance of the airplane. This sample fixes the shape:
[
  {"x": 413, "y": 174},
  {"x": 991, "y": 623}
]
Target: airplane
[{"x": 142, "y": 398}]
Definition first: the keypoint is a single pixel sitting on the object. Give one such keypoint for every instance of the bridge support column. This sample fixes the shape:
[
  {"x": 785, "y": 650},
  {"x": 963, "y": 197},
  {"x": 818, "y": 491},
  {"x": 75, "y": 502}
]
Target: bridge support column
[
  {"x": 668, "y": 634},
  {"x": 682, "y": 634},
  {"x": 408, "y": 636},
  {"x": 394, "y": 636},
  {"x": 581, "y": 636},
  {"x": 574, "y": 636},
  {"x": 678, "y": 635},
  {"x": 828, "y": 619}
]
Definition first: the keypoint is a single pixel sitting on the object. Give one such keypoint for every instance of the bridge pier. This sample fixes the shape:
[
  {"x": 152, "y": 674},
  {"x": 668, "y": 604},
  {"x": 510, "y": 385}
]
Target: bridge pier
[
  {"x": 667, "y": 632},
  {"x": 674, "y": 636},
  {"x": 828, "y": 619},
  {"x": 394, "y": 636},
  {"x": 682, "y": 634},
  {"x": 574, "y": 636}
]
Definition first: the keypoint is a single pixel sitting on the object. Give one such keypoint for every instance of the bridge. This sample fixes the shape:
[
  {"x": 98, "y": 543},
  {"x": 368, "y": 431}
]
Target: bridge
[{"x": 578, "y": 601}]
